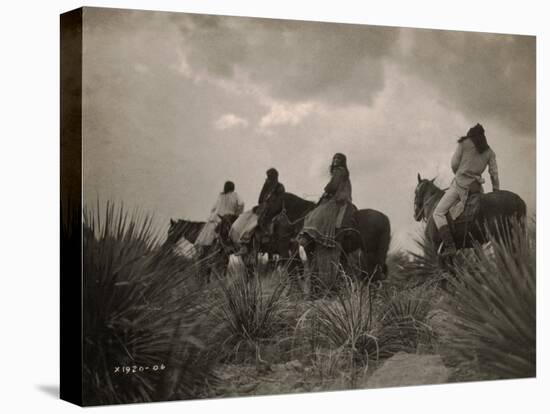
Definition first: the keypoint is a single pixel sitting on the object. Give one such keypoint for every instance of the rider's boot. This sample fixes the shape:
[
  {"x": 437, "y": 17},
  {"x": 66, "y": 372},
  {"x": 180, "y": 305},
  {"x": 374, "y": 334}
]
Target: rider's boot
[
  {"x": 303, "y": 239},
  {"x": 449, "y": 247}
]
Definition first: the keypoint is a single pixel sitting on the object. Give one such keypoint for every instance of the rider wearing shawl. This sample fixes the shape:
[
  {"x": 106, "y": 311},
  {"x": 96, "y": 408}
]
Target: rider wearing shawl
[
  {"x": 321, "y": 224},
  {"x": 247, "y": 223},
  {"x": 271, "y": 190},
  {"x": 472, "y": 156}
]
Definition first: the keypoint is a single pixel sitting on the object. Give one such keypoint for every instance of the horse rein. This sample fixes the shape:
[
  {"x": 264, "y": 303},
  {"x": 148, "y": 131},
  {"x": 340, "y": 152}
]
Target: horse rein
[
  {"x": 421, "y": 214},
  {"x": 293, "y": 223},
  {"x": 283, "y": 213}
]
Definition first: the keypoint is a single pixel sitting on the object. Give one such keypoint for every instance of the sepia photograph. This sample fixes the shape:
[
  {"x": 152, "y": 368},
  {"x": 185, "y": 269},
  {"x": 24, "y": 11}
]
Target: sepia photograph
[{"x": 265, "y": 206}]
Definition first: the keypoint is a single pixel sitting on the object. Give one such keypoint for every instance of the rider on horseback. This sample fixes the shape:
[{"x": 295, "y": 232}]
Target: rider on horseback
[
  {"x": 471, "y": 158},
  {"x": 321, "y": 224},
  {"x": 271, "y": 190},
  {"x": 228, "y": 202}
]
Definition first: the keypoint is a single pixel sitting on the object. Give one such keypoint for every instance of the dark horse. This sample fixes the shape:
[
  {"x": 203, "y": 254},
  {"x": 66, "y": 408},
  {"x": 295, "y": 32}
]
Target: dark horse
[
  {"x": 496, "y": 210},
  {"x": 223, "y": 239},
  {"x": 371, "y": 236}
]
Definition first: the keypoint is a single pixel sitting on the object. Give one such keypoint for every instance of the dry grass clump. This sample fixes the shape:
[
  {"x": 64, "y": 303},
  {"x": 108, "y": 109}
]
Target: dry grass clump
[
  {"x": 404, "y": 320},
  {"x": 249, "y": 315},
  {"x": 343, "y": 328}
]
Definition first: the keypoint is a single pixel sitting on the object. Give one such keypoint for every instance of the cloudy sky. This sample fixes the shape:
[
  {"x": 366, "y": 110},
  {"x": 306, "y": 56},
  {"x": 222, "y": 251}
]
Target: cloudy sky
[{"x": 175, "y": 104}]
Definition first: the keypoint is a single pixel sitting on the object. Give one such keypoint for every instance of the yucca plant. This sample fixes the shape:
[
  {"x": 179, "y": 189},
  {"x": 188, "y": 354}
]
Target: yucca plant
[
  {"x": 495, "y": 306},
  {"x": 248, "y": 316},
  {"x": 345, "y": 324},
  {"x": 139, "y": 311}
]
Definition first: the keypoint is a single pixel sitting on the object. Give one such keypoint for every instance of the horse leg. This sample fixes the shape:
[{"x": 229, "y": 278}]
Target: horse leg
[
  {"x": 223, "y": 264},
  {"x": 311, "y": 286},
  {"x": 377, "y": 268},
  {"x": 294, "y": 268},
  {"x": 211, "y": 264},
  {"x": 271, "y": 262},
  {"x": 251, "y": 260},
  {"x": 351, "y": 264},
  {"x": 326, "y": 261},
  {"x": 366, "y": 266},
  {"x": 202, "y": 265},
  {"x": 315, "y": 287}
]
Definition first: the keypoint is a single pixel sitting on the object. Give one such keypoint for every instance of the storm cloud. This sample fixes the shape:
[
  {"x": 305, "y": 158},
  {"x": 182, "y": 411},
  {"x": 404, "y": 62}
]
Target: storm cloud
[
  {"x": 175, "y": 104},
  {"x": 480, "y": 74},
  {"x": 290, "y": 60}
]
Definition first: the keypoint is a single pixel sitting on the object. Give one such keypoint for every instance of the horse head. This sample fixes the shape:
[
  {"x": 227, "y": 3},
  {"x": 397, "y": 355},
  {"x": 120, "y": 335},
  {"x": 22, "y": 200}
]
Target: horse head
[
  {"x": 175, "y": 231},
  {"x": 183, "y": 229},
  {"x": 424, "y": 189}
]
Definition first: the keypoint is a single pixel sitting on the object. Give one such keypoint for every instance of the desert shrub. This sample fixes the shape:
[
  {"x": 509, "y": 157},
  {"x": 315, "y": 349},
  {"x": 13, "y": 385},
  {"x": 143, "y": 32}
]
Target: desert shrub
[
  {"x": 423, "y": 267},
  {"x": 403, "y": 320},
  {"x": 396, "y": 262},
  {"x": 139, "y": 310},
  {"x": 495, "y": 306},
  {"x": 330, "y": 369},
  {"x": 248, "y": 316},
  {"x": 344, "y": 325}
]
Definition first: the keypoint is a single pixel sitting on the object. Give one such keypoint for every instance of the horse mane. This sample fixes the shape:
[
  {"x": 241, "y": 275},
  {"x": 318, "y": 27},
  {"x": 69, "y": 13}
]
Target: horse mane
[
  {"x": 295, "y": 199},
  {"x": 433, "y": 192},
  {"x": 187, "y": 228},
  {"x": 298, "y": 203},
  {"x": 186, "y": 222},
  {"x": 434, "y": 187}
]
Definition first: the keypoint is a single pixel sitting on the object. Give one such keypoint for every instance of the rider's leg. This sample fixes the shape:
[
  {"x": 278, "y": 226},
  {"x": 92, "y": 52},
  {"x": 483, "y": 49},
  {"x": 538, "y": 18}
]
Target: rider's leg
[
  {"x": 244, "y": 242},
  {"x": 247, "y": 234},
  {"x": 450, "y": 197},
  {"x": 304, "y": 240},
  {"x": 245, "y": 239}
]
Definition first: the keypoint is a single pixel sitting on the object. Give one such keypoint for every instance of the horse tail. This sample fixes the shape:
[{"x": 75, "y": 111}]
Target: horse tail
[
  {"x": 521, "y": 214},
  {"x": 521, "y": 209}
]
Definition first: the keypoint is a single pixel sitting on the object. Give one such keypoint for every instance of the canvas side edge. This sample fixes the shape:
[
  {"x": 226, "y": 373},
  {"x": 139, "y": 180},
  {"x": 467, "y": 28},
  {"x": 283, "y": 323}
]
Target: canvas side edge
[{"x": 71, "y": 368}]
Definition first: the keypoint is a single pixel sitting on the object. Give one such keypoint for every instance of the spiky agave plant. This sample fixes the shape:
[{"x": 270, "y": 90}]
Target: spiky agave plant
[
  {"x": 140, "y": 314},
  {"x": 495, "y": 306}
]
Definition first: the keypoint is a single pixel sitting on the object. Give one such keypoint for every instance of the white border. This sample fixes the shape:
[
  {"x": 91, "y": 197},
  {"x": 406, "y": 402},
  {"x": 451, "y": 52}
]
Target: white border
[{"x": 29, "y": 228}]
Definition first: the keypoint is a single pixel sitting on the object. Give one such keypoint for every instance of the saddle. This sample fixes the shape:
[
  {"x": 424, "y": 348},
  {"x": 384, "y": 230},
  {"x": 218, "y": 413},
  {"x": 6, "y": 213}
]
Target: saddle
[
  {"x": 346, "y": 219},
  {"x": 472, "y": 206}
]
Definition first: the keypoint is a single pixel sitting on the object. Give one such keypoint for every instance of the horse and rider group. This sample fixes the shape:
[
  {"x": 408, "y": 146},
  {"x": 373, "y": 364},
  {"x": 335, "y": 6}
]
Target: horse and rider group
[{"x": 281, "y": 222}]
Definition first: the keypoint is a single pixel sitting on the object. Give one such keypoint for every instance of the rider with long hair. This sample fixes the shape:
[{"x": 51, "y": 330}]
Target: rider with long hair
[
  {"x": 321, "y": 224},
  {"x": 472, "y": 156}
]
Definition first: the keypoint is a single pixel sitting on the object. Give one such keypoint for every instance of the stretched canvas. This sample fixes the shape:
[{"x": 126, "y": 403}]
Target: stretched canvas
[{"x": 257, "y": 206}]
